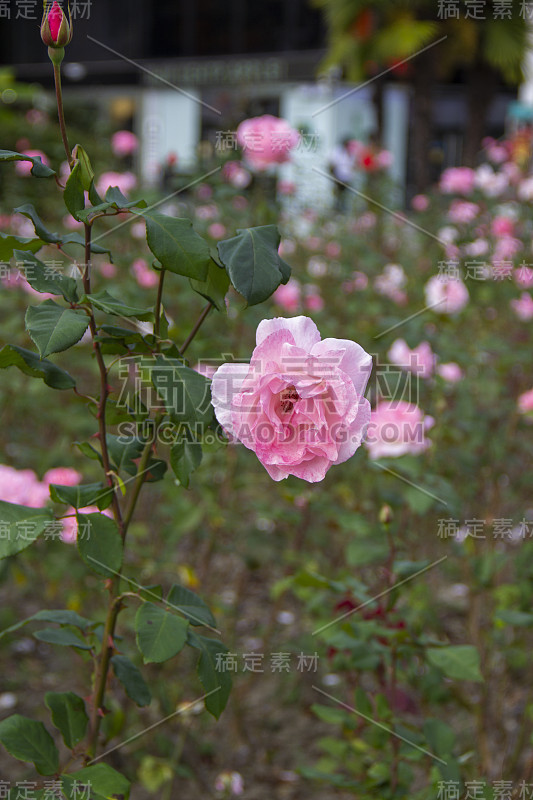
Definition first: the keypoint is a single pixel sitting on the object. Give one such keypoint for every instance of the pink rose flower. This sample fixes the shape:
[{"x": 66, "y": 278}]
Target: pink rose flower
[
  {"x": 523, "y": 276},
  {"x": 450, "y": 372},
  {"x": 107, "y": 269},
  {"x": 420, "y": 360},
  {"x": 523, "y": 307},
  {"x": 125, "y": 181},
  {"x": 299, "y": 404},
  {"x": 420, "y": 202},
  {"x": 502, "y": 226},
  {"x": 446, "y": 295},
  {"x": 525, "y": 402},
  {"x": 24, "y": 168},
  {"x": 235, "y": 174},
  {"x": 266, "y": 140},
  {"x": 457, "y": 180},
  {"x": 313, "y": 299},
  {"x": 146, "y": 278},
  {"x": 333, "y": 250},
  {"x": 63, "y": 476},
  {"x": 217, "y": 230},
  {"x": 463, "y": 212},
  {"x": 124, "y": 143},
  {"x": 22, "y": 487},
  {"x": 397, "y": 428},
  {"x": 287, "y": 296}
]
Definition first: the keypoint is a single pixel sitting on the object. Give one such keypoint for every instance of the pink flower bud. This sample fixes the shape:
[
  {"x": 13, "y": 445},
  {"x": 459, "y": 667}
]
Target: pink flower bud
[{"x": 56, "y": 30}]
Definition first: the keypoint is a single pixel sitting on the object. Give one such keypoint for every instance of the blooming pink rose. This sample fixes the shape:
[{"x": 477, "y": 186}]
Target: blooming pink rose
[
  {"x": 266, "y": 140},
  {"x": 125, "y": 181},
  {"x": 397, "y": 428},
  {"x": 450, "y": 372},
  {"x": 478, "y": 247},
  {"x": 420, "y": 360},
  {"x": 523, "y": 307},
  {"x": 25, "y": 167},
  {"x": 63, "y": 476},
  {"x": 446, "y": 295},
  {"x": 146, "y": 278},
  {"x": 420, "y": 202},
  {"x": 235, "y": 174},
  {"x": 313, "y": 299},
  {"x": 287, "y": 296},
  {"x": 124, "y": 143},
  {"x": 299, "y": 404},
  {"x": 457, "y": 180},
  {"x": 506, "y": 247},
  {"x": 525, "y": 402},
  {"x": 333, "y": 249}
]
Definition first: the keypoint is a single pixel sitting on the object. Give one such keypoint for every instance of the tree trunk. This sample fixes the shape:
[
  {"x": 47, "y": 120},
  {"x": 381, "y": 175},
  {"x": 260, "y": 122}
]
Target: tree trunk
[
  {"x": 481, "y": 88},
  {"x": 423, "y": 81}
]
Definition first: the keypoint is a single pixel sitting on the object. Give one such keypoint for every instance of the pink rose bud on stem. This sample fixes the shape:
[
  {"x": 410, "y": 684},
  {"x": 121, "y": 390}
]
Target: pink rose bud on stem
[{"x": 56, "y": 31}]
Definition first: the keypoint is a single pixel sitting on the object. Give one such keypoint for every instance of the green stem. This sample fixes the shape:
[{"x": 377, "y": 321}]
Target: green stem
[
  {"x": 60, "y": 112},
  {"x": 198, "y": 324}
]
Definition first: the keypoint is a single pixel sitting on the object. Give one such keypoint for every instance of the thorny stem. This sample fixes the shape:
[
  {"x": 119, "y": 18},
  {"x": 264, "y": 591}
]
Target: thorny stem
[{"x": 60, "y": 112}]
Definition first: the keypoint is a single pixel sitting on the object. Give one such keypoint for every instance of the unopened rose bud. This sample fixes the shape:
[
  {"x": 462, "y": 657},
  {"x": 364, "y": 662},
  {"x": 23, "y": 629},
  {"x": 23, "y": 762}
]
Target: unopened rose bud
[
  {"x": 56, "y": 30},
  {"x": 385, "y": 515}
]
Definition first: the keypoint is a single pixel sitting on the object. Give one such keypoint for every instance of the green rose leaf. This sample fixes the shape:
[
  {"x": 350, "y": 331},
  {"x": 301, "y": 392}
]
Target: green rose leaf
[
  {"x": 132, "y": 680},
  {"x": 20, "y": 527},
  {"x": 185, "y": 393},
  {"x": 177, "y": 246},
  {"x": 28, "y": 210},
  {"x": 103, "y": 782},
  {"x": 99, "y": 543},
  {"x": 68, "y": 715},
  {"x": 60, "y": 616},
  {"x": 123, "y": 451},
  {"x": 43, "y": 279},
  {"x": 460, "y": 662},
  {"x": 54, "y": 328},
  {"x": 185, "y": 458},
  {"x": 215, "y": 680},
  {"x": 9, "y": 243},
  {"x": 90, "y": 494},
  {"x": 28, "y": 740},
  {"x": 253, "y": 263},
  {"x": 160, "y": 634},
  {"x": 215, "y": 287},
  {"x": 74, "y": 195},
  {"x": 191, "y": 606},
  {"x": 111, "y": 305},
  {"x": 30, "y": 364},
  {"x": 61, "y": 636},
  {"x": 39, "y": 170}
]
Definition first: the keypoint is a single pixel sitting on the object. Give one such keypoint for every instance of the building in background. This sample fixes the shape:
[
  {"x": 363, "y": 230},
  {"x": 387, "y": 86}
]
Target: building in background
[{"x": 180, "y": 72}]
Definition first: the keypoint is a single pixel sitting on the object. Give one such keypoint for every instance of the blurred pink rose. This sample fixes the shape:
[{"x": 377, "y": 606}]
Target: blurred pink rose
[
  {"x": 525, "y": 402},
  {"x": 333, "y": 250},
  {"x": 502, "y": 226},
  {"x": 457, "y": 180},
  {"x": 107, "y": 269},
  {"x": 491, "y": 183},
  {"x": 217, "y": 230},
  {"x": 420, "y": 360},
  {"x": 313, "y": 299},
  {"x": 450, "y": 372},
  {"x": 477, "y": 248},
  {"x": 523, "y": 307},
  {"x": 25, "y": 167},
  {"x": 124, "y": 143},
  {"x": 209, "y": 211},
  {"x": 204, "y": 192},
  {"x": 506, "y": 247},
  {"x": 235, "y": 174},
  {"x": 287, "y": 296},
  {"x": 22, "y": 487},
  {"x": 146, "y": 278},
  {"x": 462, "y": 211},
  {"x": 523, "y": 276},
  {"x": 266, "y": 140},
  {"x": 287, "y": 188},
  {"x": 125, "y": 181},
  {"x": 299, "y": 404},
  {"x": 420, "y": 202},
  {"x": 63, "y": 476},
  {"x": 446, "y": 295},
  {"x": 397, "y": 428}
]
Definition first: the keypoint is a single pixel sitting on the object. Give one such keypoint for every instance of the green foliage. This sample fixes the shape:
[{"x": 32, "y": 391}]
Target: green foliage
[
  {"x": 215, "y": 680},
  {"x": 99, "y": 544},
  {"x": 177, "y": 246},
  {"x": 29, "y": 740},
  {"x": 68, "y": 715},
  {"x": 54, "y": 328},
  {"x": 21, "y": 526},
  {"x": 132, "y": 680},
  {"x": 160, "y": 634}
]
